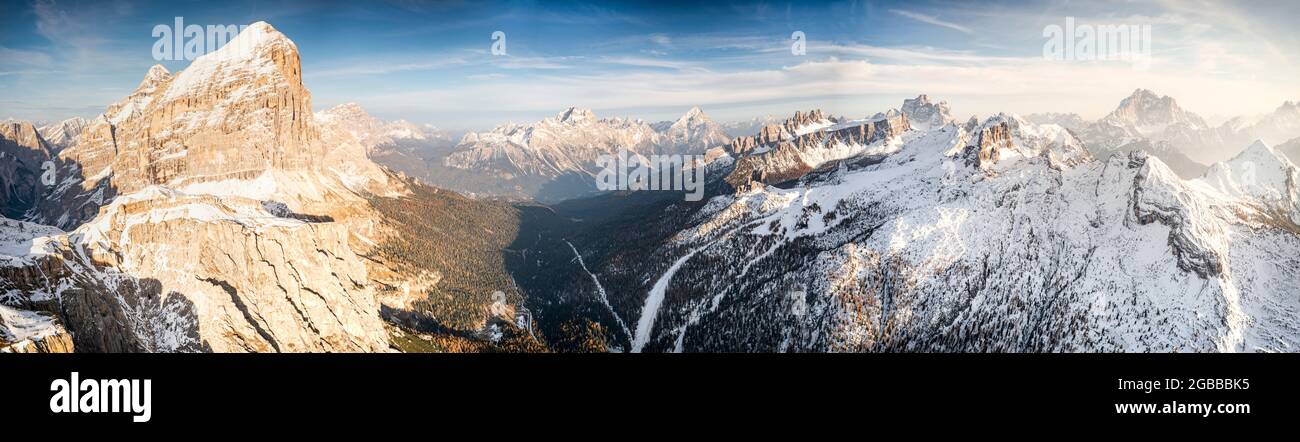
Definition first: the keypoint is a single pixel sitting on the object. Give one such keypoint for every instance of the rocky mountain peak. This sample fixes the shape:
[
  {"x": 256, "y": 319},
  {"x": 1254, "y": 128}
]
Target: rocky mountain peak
[
  {"x": 371, "y": 132},
  {"x": 802, "y": 118},
  {"x": 693, "y": 132},
  {"x": 234, "y": 113},
  {"x": 1258, "y": 172},
  {"x": 64, "y": 133},
  {"x": 695, "y": 112},
  {"x": 22, "y": 133},
  {"x": 156, "y": 75},
  {"x": 252, "y": 41},
  {"x": 1145, "y": 109},
  {"x": 258, "y": 51},
  {"x": 575, "y": 115},
  {"x": 692, "y": 118},
  {"x": 925, "y": 114},
  {"x": 1260, "y": 153},
  {"x": 22, "y": 151}
]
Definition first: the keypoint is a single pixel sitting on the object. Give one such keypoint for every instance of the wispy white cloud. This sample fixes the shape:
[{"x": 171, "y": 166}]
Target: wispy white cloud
[
  {"x": 9, "y": 56},
  {"x": 931, "y": 20},
  {"x": 661, "y": 39},
  {"x": 650, "y": 62},
  {"x": 361, "y": 69},
  {"x": 976, "y": 85}
]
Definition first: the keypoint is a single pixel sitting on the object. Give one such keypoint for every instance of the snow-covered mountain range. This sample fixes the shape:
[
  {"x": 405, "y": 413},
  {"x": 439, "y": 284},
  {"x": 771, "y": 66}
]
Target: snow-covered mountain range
[
  {"x": 211, "y": 210},
  {"x": 1156, "y": 124},
  {"x": 997, "y": 235},
  {"x": 555, "y": 158}
]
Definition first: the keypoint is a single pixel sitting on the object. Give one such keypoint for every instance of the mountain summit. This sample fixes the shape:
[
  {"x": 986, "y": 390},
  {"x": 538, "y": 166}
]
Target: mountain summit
[
  {"x": 235, "y": 113},
  {"x": 1148, "y": 112},
  {"x": 924, "y": 114}
]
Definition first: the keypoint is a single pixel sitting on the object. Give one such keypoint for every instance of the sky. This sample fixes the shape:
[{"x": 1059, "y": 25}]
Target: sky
[{"x": 431, "y": 62}]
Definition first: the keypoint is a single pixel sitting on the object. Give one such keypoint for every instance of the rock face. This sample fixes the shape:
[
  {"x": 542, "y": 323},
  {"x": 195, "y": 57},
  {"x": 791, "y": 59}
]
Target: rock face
[
  {"x": 64, "y": 133},
  {"x": 988, "y": 146},
  {"x": 23, "y": 152},
  {"x": 165, "y": 271},
  {"x": 801, "y": 123},
  {"x": 275, "y": 283},
  {"x": 28, "y": 317},
  {"x": 781, "y": 153},
  {"x": 1012, "y": 136},
  {"x": 23, "y": 331}
]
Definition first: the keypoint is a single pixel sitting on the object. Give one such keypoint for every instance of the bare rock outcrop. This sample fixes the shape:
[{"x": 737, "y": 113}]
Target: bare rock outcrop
[
  {"x": 274, "y": 284},
  {"x": 781, "y": 153},
  {"x": 989, "y": 142}
]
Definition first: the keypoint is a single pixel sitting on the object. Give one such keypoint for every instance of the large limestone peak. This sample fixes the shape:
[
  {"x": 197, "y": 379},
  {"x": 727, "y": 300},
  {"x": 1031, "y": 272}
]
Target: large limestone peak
[
  {"x": 252, "y": 41},
  {"x": 234, "y": 113},
  {"x": 258, "y": 51},
  {"x": 1146, "y": 109}
]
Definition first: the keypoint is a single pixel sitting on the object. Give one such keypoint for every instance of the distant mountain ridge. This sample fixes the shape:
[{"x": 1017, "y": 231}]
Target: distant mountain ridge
[
  {"x": 555, "y": 158},
  {"x": 1155, "y": 123}
]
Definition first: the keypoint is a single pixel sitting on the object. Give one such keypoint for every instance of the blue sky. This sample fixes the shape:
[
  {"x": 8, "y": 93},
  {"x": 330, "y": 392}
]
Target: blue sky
[{"x": 429, "y": 62}]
